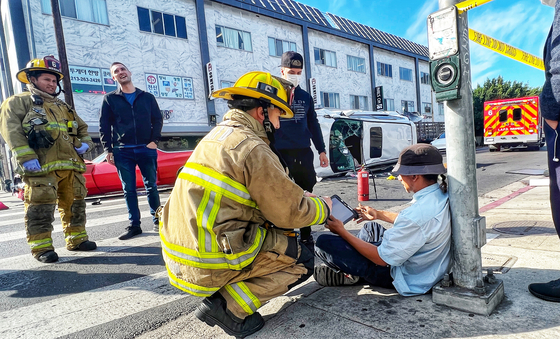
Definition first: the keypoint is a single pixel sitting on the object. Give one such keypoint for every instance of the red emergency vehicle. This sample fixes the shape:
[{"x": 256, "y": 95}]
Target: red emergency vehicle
[{"x": 513, "y": 123}]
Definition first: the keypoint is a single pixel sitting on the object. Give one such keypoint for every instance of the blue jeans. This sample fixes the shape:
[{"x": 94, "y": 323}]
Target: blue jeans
[
  {"x": 340, "y": 256},
  {"x": 553, "y": 149},
  {"x": 126, "y": 160}
]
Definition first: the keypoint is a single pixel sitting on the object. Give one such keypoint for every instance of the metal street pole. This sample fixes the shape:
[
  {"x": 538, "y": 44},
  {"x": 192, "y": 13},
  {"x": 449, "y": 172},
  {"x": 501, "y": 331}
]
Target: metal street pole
[
  {"x": 471, "y": 291},
  {"x": 59, "y": 33}
]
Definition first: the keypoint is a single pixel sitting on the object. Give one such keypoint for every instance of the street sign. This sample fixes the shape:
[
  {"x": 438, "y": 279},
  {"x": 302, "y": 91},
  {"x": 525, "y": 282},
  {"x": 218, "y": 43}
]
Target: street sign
[
  {"x": 379, "y": 98},
  {"x": 442, "y": 33},
  {"x": 314, "y": 91}
]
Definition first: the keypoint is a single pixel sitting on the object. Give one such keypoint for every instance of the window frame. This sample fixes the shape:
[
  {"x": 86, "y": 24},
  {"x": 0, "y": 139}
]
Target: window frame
[
  {"x": 425, "y": 76},
  {"x": 336, "y": 97},
  {"x": 275, "y": 49},
  {"x": 424, "y": 104},
  {"x": 377, "y": 136},
  {"x": 321, "y": 63},
  {"x": 408, "y": 102},
  {"x": 348, "y": 57},
  {"x": 163, "y": 14},
  {"x": 235, "y": 29},
  {"x": 358, "y": 97},
  {"x": 76, "y": 18},
  {"x": 383, "y": 68},
  {"x": 404, "y": 70},
  {"x": 385, "y": 101}
]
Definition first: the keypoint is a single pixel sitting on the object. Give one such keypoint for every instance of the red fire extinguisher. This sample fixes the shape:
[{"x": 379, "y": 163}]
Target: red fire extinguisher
[{"x": 363, "y": 185}]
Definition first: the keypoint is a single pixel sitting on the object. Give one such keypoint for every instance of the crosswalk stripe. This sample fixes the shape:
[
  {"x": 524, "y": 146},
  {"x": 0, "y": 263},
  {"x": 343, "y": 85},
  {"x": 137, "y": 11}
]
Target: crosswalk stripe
[
  {"x": 27, "y": 262},
  {"x": 91, "y": 308}
]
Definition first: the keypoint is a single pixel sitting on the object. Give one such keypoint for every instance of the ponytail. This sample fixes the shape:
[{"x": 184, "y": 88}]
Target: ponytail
[{"x": 443, "y": 185}]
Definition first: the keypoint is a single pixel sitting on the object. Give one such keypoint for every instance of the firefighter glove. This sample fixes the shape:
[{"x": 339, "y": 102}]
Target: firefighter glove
[
  {"x": 32, "y": 165},
  {"x": 82, "y": 149}
]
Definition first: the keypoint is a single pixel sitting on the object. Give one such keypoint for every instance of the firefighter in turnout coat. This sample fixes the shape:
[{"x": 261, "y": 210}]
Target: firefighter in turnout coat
[
  {"x": 47, "y": 139},
  {"x": 228, "y": 227}
]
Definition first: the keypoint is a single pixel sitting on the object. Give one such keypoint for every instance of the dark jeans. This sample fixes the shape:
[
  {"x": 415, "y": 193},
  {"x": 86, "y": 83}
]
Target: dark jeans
[
  {"x": 300, "y": 164},
  {"x": 553, "y": 148},
  {"x": 340, "y": 256},
  {"x": 126, "y": 160}
]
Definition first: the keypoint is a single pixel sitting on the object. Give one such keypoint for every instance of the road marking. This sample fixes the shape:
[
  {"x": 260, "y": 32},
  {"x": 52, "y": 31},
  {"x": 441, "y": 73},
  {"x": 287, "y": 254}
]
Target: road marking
[
  {"x": 77, "y": 312},
  {"x": 27, "y": 262},
  {"x": 505, "y": 199}
]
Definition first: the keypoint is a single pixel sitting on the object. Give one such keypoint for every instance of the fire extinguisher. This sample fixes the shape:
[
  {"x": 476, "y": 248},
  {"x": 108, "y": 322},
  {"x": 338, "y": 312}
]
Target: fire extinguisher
[{"x": 363, "y": 185}]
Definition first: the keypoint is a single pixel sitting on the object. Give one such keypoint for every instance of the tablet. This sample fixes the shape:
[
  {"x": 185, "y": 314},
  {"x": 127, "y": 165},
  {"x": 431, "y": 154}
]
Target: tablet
[{"x": 341, "y": 210}]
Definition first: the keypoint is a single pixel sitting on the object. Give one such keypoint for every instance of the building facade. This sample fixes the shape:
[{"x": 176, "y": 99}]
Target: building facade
[{"x": 180, "y": 49}]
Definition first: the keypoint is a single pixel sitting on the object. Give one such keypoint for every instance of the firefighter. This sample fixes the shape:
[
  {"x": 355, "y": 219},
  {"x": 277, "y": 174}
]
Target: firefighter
[
  {"x": 227, "y": 229},
  {"x": 47, "y": 139}
]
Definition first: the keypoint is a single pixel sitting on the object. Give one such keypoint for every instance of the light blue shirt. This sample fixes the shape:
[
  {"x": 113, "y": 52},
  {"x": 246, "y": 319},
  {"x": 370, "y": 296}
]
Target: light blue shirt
[{"x": 418, "y": 246}]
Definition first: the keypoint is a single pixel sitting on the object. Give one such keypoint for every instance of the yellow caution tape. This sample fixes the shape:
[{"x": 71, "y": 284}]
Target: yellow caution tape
[
  {"x": 470, "y": 4},
  {"x": 505, "y": 49},
  {"x": 391, "y": 177}
]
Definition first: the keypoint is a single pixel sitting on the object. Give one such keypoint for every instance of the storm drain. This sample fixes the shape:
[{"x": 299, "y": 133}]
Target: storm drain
[
  {"x": 498, "y": 263},
  {"x": 525, "y": 227}
]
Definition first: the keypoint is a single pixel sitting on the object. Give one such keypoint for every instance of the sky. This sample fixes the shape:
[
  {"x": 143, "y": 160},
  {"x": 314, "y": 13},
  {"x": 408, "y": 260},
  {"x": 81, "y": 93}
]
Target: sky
[{"x": 521, "y": 23}]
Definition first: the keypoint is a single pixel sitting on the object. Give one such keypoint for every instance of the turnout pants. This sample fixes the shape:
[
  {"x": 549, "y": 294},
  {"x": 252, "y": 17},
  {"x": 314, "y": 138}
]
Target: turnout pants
[
  {"x": 42, "y": 193},
  {"x": 271, "y": 274}
]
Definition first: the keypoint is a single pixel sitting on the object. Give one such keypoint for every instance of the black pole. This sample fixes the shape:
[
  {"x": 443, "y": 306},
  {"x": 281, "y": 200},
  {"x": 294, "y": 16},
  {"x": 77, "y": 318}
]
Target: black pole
[{"x": 59, "y": 33}]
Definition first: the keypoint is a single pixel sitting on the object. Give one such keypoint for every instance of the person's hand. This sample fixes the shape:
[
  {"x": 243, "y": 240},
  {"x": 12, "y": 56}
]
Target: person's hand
[
  {"x": 309, "y": 194},
  {"x": 82, "y": 149},
  {"x": 32, "y": 165},
  {"x": 334, "y": 225},
  {"x": 328, "y": 201},
  {"x": 323, "y": 159},
  {"x": 365, "y": 213},
  {"x": 110, "y": 158},
  {"x": 151, "y": 145}
]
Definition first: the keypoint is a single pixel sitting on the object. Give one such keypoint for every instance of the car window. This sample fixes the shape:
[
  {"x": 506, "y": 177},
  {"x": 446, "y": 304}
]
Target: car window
[
  {"x": 174, "y": 144},
  {"x": 442, "y": 136}
]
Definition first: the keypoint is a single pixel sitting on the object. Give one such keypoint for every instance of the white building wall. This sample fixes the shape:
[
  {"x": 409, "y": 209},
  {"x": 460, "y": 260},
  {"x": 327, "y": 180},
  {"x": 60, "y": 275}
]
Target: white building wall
[
  {"x": 393, "y": 87},
  {"x": 340, "y": 79},
  {"x": 229, "y": 63},
  {"x": 428, "y": 96},
  {"x": 96, "y": 45}
]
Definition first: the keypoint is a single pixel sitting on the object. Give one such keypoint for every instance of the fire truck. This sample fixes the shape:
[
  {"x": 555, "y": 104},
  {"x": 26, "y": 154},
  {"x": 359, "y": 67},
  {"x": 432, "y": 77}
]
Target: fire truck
[{"x": 512, "y": 123}]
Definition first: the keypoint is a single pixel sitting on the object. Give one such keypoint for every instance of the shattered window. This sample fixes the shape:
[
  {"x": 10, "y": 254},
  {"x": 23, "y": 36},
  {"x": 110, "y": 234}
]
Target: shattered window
[{"x": 345, "y": 145}]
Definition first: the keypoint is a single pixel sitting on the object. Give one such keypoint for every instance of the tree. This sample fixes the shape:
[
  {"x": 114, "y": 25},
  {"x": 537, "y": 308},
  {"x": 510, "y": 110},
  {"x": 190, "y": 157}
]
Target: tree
[{"x": 495, "y": 89}]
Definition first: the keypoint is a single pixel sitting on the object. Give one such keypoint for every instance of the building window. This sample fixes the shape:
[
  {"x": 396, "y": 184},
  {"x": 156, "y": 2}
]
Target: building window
[
  {"x": 325, "y": 57},
  {"x": 407, "y": 106},
  {"x": 405, "y": 73},
  {"x": 375, "y": 142},
  {"x": 427, "y": 108},
  {"x": 86, "y": 10},
  {"x": 359, "y": 102},
  {"x": 225, "y": 84},
  {"x": 331, "y": 100},
  {"x": 424, "y": 78},
  {"x": 233, "y": 38},
  {"x": 161, "y": 23},
  {"x": 384, "y": 69},
  {"x": 389, "y": 104},
  {"x": 441, "y": 108},
  {"x": 277, "y": 47},
  {"x": 356, "y": 64}
]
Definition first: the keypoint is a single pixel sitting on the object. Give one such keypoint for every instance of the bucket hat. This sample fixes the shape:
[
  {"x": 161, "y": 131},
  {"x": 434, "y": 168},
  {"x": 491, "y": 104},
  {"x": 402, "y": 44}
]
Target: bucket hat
[{"x": 419, "y": 159}]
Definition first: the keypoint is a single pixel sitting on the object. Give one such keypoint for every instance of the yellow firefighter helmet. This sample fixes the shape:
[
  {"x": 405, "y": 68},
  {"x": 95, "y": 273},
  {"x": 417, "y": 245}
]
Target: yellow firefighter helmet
[
  {"x": 47, "y": 64},
  {"x": 259, "y": 85}
]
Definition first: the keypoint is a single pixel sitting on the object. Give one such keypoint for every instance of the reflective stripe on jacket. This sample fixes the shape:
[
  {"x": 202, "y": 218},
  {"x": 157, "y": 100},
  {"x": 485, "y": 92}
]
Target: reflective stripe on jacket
[{"x": 231, "y": 184}]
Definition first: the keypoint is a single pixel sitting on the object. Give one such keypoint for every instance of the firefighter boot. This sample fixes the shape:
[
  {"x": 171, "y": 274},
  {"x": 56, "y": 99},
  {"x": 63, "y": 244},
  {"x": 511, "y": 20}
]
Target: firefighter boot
[
  {"x": 85, "y": 246},
  {"x": 47, "y": 257},
  {"x": 213, "y": 311}
]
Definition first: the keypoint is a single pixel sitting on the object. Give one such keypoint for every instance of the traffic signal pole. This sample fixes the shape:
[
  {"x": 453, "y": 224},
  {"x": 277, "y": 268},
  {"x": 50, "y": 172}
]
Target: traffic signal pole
[
  {"x": 466, "y": 288},
  {"x": 61, "y": 45}
]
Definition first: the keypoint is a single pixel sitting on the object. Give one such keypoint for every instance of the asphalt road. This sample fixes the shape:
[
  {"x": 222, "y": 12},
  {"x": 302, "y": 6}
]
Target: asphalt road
[{"x": 121, "y": 289}]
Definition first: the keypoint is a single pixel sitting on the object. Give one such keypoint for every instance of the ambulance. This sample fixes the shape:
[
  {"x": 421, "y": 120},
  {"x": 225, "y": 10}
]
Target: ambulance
[{"x": 512, "y": 123}]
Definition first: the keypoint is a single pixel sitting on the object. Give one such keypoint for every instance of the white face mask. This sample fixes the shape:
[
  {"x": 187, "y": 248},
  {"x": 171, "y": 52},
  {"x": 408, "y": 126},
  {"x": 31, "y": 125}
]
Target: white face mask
[
  {"x": 550, "y": 3},
  {"x": 293, "y": 78}
]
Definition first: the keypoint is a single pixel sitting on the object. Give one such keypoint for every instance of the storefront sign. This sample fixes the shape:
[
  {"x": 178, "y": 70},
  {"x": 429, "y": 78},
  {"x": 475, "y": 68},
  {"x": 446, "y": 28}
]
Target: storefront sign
[
  {"x": 211, "y": 80},
  {"x": 188, "y": 91},
  {"x": 379, "y": 98},
  {"x": 314, "y": 91},
  {"x": 170, "y": 87},
  {"x": 152, "y": 84}
]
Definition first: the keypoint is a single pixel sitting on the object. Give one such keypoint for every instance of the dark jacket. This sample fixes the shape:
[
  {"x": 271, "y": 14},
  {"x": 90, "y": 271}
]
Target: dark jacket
[
  {"x": 550, "y": 95},
  {"x": 121, "y": 124},
  {"x": 295, "y": 133}
]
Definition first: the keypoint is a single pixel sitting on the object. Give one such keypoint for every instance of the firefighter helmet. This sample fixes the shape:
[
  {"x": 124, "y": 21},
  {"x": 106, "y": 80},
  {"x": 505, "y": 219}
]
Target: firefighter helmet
[
  {"x": 259, "y": 85},
  {"x": 48, "y": 64}
]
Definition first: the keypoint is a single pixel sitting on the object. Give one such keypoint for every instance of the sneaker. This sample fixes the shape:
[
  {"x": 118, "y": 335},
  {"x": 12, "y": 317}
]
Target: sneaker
[
  {"x": 85, "y": 246},
  {"x": 549, "y": 291},
  {"x": 131, "y": 231},
  {"x": 213, "y": 311},
  {"x": 47, "y": 257},
  {"x": 326, "y": 276}
]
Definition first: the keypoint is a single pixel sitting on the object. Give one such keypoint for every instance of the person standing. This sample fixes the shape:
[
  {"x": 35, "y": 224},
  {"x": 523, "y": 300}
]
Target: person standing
[
  {"x": 220, "y": 237},
  {"x": 550, "y": 110},
  {"x": 47, "y": 139},
  {"x": 130, "y": 128},
  {"x": 293, "y": 139}
]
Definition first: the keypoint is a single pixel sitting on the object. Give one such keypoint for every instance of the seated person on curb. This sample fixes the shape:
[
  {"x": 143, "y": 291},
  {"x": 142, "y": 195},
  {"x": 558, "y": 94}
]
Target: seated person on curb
[
  {"x": 413, "y": 255},
  {"x": 216, "y": 237}
]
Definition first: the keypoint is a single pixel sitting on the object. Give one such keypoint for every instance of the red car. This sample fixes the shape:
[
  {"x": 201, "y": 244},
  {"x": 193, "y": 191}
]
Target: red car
[{"x": 102, "y": 178}]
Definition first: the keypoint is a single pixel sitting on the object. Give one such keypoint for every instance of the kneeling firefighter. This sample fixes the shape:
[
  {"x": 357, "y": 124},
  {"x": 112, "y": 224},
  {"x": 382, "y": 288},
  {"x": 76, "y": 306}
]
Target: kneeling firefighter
[
  {"x": 47, "y": 139},
  {"x": 228, "y": 227}
]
